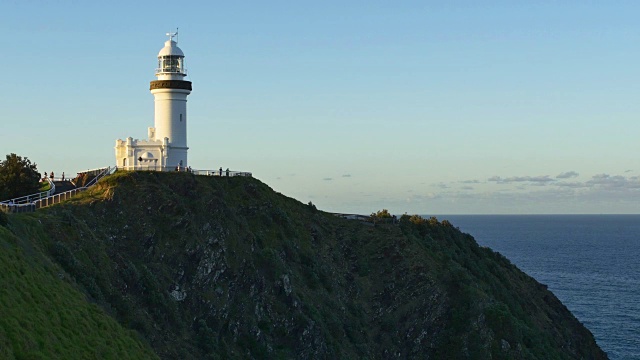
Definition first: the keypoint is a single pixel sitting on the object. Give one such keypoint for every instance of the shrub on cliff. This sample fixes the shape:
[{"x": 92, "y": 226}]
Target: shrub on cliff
[{"x": 18, "y": 177}]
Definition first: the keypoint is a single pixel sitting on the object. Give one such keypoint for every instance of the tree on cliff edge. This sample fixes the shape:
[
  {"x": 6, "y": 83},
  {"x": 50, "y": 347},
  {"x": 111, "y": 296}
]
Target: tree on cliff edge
[{"x": 18, "y": 177}]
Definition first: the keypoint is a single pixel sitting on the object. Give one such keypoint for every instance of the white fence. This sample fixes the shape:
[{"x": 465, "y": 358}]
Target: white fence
[
  {"x": 219, "y": 172},
  {"x": 34, "y": 202},
  {"x": 23, "y": 200}
]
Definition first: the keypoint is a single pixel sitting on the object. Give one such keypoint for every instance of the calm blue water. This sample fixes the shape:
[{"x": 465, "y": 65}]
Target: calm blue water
[{"x": 590, "y": 262}]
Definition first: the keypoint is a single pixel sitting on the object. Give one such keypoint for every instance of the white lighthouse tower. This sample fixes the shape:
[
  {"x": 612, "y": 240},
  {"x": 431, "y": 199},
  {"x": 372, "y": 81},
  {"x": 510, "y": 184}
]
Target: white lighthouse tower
[
  {"x": 166, "y": 148},
  {"x": 170, "y": 92}
]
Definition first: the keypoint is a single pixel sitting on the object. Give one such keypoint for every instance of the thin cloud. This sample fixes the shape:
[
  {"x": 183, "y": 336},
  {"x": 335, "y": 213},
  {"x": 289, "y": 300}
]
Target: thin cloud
[
  {"x": 543, "y": 179},
  {"x": 571, "y": 185},
  {"x": 327, "y": 179},
  {"x": 441, "y": 185},
  {"x": 602, "y": 193},
  {"x": 604, "y": 182},
  {"x": 346, "y": 175},
  {"x": 607, "y": 181},
  {"x": 567, "y": 175},
  {"x": 427, "y": 196},
  {"x": 474, "y": 181},
  {"x": 539, "y": 183}
]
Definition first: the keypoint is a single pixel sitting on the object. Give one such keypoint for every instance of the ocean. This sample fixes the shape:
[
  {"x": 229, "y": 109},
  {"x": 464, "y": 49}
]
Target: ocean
[{"x": 590, "y": 262}]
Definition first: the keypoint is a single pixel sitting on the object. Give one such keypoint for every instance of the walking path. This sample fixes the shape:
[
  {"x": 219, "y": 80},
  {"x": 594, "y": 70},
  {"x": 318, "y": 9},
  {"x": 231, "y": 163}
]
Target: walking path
[{"x": 60, "y": 190}]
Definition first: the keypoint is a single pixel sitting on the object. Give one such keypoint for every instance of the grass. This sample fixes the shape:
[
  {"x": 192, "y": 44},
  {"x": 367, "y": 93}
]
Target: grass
[
  {"x": 43, "y": 316},
  {"x": 45, "y": 186}
]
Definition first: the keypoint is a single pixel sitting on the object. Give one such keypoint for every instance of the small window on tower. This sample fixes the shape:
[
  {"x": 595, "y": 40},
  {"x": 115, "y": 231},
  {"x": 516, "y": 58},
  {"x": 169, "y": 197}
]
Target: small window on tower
[{"x": 180, "y": 117}]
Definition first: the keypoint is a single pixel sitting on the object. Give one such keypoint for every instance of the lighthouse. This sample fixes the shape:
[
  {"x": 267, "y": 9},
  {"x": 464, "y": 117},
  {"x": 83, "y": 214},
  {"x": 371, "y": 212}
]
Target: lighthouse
[
  {"x": 170, "y": 93},
  {"x": 166, "y": 148}
]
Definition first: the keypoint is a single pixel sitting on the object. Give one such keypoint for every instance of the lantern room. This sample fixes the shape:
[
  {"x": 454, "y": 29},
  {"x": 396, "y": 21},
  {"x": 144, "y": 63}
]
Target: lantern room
[{"x": 171, "y": 61}]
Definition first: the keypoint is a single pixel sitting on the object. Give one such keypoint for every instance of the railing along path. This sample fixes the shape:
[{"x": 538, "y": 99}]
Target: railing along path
[
  {"x": 219, "y": 172},
  {"x": 32, "y": 202}
]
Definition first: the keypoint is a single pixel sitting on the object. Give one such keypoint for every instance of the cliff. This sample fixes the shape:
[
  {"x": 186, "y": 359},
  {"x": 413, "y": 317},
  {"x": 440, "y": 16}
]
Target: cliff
[{"x": 200, "y": 267}]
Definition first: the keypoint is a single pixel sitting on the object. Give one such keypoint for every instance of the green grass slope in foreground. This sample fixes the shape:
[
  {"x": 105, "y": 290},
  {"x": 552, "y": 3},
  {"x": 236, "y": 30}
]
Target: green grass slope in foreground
[
  {"x": 224, "y": 268},
  {"x": 44, "y": 317}
]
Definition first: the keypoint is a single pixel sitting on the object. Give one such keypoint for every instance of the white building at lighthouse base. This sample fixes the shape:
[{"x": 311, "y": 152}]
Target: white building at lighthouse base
[{"x": 151, "y": 154}]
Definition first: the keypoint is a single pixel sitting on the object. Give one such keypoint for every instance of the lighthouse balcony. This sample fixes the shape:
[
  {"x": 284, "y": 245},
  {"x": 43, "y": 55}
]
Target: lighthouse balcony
[{"x": 171, "y": 70}]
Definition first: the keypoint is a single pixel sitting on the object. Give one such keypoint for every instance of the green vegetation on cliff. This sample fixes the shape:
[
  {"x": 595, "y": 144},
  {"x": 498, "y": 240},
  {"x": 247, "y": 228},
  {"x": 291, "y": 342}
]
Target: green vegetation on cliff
[
  {"x": 43, "y": 315},
  {"x": 216, "y": 267},
  {"x": 18, "y": 177}
]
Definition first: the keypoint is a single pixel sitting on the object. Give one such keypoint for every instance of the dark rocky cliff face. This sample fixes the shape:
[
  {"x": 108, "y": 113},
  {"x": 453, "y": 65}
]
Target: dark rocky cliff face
[{"x": 208, "y": 268}]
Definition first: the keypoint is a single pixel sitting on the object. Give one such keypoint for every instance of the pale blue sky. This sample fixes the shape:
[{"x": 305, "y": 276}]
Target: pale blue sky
[{"x": 415, "y": 106}]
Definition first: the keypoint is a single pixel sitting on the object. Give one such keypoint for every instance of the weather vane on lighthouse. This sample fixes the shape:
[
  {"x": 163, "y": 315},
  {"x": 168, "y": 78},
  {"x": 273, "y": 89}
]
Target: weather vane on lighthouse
[{"x": 172, "y": 35}]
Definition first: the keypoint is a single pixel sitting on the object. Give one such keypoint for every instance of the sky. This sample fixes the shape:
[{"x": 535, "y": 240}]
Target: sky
[{"x": 423, "y": 107}]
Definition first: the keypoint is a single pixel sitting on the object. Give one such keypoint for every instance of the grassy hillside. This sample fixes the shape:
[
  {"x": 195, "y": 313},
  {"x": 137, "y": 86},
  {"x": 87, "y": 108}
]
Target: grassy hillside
[
  {"x": 215, "y": 267},
  {"x": 44, "y": 316}
]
